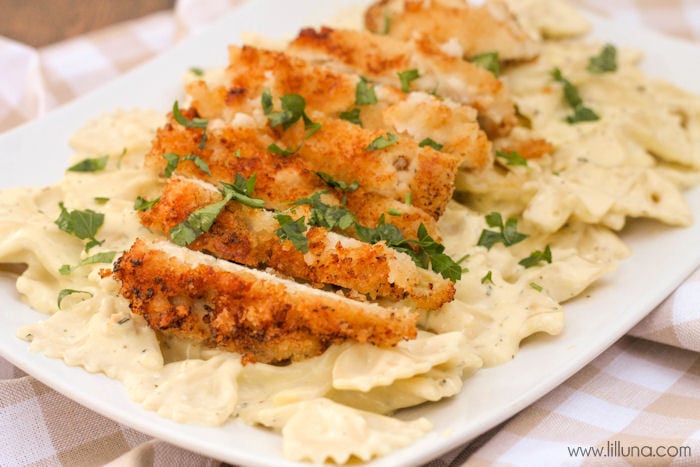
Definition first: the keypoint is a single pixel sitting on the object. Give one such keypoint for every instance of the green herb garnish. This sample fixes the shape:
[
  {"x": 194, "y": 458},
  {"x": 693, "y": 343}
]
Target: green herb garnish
[
  {"x": 142, "y": 204},
  {"x": 65, "y": 292},
  {"x": 199, "y": 162},
  {"x": 364, "y": 93},
  {"x": 536, "y": 257},
  {"x": 573, "y": 98},
  {"x": 508, "y": 234},
  {"x": 394, "y": 212},
  {"x": 292, "y": 230},
  {"x": 194, "y": 123},
  {"x": 100, "y": 200},
  {"x": 339, "y": 184},
  {"x": 352, "y": 116},
  {"x": 489, "y": 61},
  {"x": 172, "y": 161},
  {"x": 241, "y": 190},
  {"x": 382, "y": 142},
  {"x": 196, "y": 71},
  {"x": 605, "y": 61},
  {"x": 274, "y": 149},
  {"x": 536, "y": 286},
  {"x": 90, "y": 165},
  {"x": 432, "y": 143},
  {"x": 326, "y": 216},
  {"x": 406, "y": 77},
  {"x": 487, "y": 278},
  {"x": 81, "y": 224},
  {"x": 104, "y": 257},
  {"x": 512, "y": 158}
]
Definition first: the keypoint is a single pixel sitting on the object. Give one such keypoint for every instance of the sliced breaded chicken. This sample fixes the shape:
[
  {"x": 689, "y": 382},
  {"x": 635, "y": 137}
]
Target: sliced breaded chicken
[
  {"x": 232, "y": 150},
  {"x": 247, "y": 235},
  {"x": 382, "y": 58},
  {"x": 417, "y": 114},
  {"x": 390, "y": 165},
  {"x": 477, "y": 28},
  {"x": 266, "y": 318}
]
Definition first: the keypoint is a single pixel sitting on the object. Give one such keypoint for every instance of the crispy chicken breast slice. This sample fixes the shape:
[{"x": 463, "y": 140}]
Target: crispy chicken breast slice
[
  {"x": 247, "y": 236},
  {"x": 382, "y": 58},
  {"x": 476, "y": 28},
  {"x": 264, "y": 317}
]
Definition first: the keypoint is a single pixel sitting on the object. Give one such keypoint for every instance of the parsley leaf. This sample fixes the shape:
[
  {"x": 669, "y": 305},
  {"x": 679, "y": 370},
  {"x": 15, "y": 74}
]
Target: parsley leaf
[
  {"x": 487, "y": 278},
  {"x": 605, "y": 62},
  {"x": 201, "y": 220},
  {"x": 142, "y": 204},
  {"x": 66, "y": 292},
  {"x": 292, "y": 230},
  {"x": 293, "y": 106},
  {"x": 536, "y": 257},
  {"x": 382, "y": 142},
  {"x": 512, "y": 158},
  {"x": 339, "y": 184},
  {"x": 82, "y": 224},
  {"x": 394, "y": 212},
  {"x": 194, "y": 123},
  {"x": 508, "y": 234},
  {"x": 387, "y": 22},
  {"x": 241, "y": 190},
  {"x": 364, "y": 93},
  {"x": 432, "y": 143},
  {"x": 197, "y": 223},
  {"x": 573, "y": 98},
  {"x": 352, "y": 116},
  {"x": 406, "y": 77},
  {"x": 172, "y": 160},
  {"x": 326, "y": 216},
  {"x": 100, "y": 199},
  {"x": 196, "y": 71},
  {"x": 489, "y": 61},
  {"x": 274, "y": 149},
  {"x": 90, "y": 165},
  {"x": 104, "y": 257},
  {"x": 266, "y": 101},
  {"x": 199, "y": 162},
  {"x": 536, "y": 286}
]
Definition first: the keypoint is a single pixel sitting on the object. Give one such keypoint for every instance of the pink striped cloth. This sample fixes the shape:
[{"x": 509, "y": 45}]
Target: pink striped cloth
[{"x": 637, "y": 403}]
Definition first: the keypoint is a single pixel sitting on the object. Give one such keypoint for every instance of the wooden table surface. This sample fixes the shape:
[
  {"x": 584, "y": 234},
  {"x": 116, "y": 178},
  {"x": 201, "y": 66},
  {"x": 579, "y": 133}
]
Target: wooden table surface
[{"x": 42, "y": 22}]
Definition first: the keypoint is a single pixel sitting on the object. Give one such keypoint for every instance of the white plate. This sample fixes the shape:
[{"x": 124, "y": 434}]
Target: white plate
[{"x": 36, "y": 154}]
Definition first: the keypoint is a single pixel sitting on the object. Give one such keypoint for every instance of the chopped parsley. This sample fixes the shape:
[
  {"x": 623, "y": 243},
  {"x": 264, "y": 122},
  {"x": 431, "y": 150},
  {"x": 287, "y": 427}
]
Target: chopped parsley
[
  {"x": 66, "y": 292},
  {"x": 352, "y": 116},
  {"x": 512, "y": 158},
  {"x": 409, "y": 198},
  {"x": 387, "y": 22},
  {"x": 173, "y": 160},
  {"x": 100, "y": 199},
  {"x": 81, "y": 224},
  {"x": 487, "y": 278},
  {"x": 193, "y": 123},
  {"x": 196, "y": 71},
  {"x": 292, "y": 230},
  {"x": 536, "y": 257},
  {"x": 339, "y": 184},
  {"x": 573, "y": 98},
  {"x": 382, "y": 142},
  {"x": 274, "y": 149},
  {"x": 536, "y": 286},
  {"x": 201, "y": 220},
  {"x": 507, "y": 234},
  {"x": 90, "y": 165},
  {"x": 605, "y": 61},
  {"x": 142, "y": 204},
  {"x": 364, "y": 93},
  {"x": 104, "y": 257},
  {"x": 394, "y": 212},
  {"x": 326, "y": 216},
  {"x": 293, "y": 109},
  {"x": 489, "y": 61},
  {"x": 406, "y": 77},
  {"x": 432, "y": 143}
]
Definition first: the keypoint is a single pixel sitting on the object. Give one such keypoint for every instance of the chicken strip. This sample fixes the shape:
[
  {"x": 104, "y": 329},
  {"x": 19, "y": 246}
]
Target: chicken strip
[
  {"x": 243, "y": 150},
  {"x": 247, "y": 235},
  {"x": 418, "y": 115},
  {"x": 264, "y": 317},
  {"x": 478, "y": 29},
  {"x": 385, "y": 59}
]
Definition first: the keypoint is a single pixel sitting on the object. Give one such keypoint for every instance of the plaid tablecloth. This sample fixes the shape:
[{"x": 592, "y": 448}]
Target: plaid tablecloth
[{"x": 642, "y": 394}]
